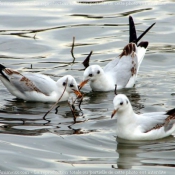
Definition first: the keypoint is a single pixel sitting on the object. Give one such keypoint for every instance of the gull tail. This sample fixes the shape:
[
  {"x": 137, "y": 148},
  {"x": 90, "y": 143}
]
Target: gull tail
[
  {"x": 143, "y": 44},
  {"x": 132, "y": 31},
  {"x": 2, "y": 73}
]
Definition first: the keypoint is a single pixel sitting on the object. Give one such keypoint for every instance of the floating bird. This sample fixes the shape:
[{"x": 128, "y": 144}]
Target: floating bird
[
  {"x": 148, "y": 126},
  {"x": 37, "y": 87},
  {"x": 122, "y": 70}
]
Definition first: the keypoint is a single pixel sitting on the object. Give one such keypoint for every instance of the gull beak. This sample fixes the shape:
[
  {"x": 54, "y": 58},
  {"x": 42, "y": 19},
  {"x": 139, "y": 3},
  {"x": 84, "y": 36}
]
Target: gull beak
[
  {"x": 113, "y": 113},
  {"x": 82, "y": 84},
  {"x": 77, "y": 93}
]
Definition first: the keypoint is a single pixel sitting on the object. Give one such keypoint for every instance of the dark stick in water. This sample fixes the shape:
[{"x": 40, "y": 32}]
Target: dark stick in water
[
  {"x": 72, "y": 50},
  {"x": 56, "y": 102}
]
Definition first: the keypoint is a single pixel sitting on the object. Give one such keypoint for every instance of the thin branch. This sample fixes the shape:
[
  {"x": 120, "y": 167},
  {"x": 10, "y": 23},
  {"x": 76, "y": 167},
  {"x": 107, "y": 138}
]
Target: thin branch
[
  {"x": 72, "y": 50},
  {"x": 56, "y": 109},
  {"x": 48, "y": 121},
  {"x": 72, "y": 107},
  {"x": 81, "y": 100},
  {"x": 34, "y": 37},
  {"x": 115, "y": 91},
  {"x": 57, "y": 101}
]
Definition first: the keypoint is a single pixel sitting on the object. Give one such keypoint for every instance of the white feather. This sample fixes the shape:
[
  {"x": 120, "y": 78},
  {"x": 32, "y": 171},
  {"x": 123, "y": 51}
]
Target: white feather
[
  {"x": 37, "y": 87},
  {"x": 148, "y": 126}
]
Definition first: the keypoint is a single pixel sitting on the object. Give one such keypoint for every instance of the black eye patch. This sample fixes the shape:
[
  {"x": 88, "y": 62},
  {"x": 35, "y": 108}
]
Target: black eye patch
[
  {"x": 90, "y": 75},
  {"x": 121, "y": 103},
  {"x": 127, "y": 101}
]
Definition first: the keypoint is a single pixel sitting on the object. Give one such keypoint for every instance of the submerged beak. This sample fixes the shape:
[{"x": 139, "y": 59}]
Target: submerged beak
[
  {"x": 82, "y": 84},
  {"x": 77, "y": 93},
  {"x": 113, "y": 113}
]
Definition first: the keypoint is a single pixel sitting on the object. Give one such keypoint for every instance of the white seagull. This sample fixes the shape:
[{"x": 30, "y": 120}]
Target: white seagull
[
  {"x": 37, "y": 87},
  {"x": 148, "y": 126},
  {"x": 122, "y": 70}
]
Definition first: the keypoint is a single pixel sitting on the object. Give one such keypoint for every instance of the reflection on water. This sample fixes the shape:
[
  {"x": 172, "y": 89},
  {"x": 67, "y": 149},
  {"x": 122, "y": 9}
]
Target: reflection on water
[
  {"x": 141, "y": 153},
  {"x": 38, "y": 38}
]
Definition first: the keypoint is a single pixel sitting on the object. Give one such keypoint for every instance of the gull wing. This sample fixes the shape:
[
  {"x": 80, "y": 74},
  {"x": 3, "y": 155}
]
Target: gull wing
[
  {"x": 42, "y": 82},
  {"x": 28, "y": 82},
  {"x": 123, "y": 69},
  {"x": 156, "y": 120}
]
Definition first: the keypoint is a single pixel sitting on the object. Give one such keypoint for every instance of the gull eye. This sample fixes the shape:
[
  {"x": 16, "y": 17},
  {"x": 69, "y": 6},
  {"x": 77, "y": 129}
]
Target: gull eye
[
  {"x": 90, "y": 75},
  {"x": 64, "y": 83},
  {"x": 71, "y": 85},
  {"x": 98, "y": 72},
  {"x": 121, "y": 103},
  {"x": 127, "y": 101}
]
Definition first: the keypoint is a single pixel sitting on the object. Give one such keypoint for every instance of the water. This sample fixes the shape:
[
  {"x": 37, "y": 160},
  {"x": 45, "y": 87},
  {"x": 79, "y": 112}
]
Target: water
[{"x": 40, "y": 33}]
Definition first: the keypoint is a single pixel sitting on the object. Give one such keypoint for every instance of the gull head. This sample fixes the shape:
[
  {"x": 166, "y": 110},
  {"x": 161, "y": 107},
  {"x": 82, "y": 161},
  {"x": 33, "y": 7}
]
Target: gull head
[
  {"x": 121, "y": 104},
  {"x": 70, "y": 84},
  {"x": 91, "y": 73}
]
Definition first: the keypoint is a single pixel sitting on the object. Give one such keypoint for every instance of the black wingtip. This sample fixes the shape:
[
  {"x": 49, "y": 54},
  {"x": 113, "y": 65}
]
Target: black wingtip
[
  {"x": 171, "y": 112},
  {"x": 132, "y": 31},
  {"x": 145, "y": 32},
  {"x": 86, "y": 61},
  {"x": 1, "y": 72},
  {"x": 143, "y": 44},
  {"x": 2, "y": 67}
]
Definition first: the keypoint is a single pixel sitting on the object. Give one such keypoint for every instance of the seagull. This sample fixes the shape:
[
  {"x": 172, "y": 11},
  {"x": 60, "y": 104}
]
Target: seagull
[
  {"x": 147, "y": 126},
  {"x": 37, "y": 87},
  {"x": 122, "y": 70}
]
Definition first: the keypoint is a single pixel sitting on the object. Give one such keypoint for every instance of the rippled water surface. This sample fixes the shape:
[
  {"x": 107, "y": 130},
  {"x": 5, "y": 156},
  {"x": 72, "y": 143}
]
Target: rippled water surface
[{"x": 40, "y": 33}]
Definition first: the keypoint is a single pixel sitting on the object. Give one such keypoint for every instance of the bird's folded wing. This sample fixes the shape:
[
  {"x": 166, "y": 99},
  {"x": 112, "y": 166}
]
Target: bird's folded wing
[
  {"x": 124, "y": 68},
  {"x": 43, "y": 82},
  {"x": 21, "y": 82},
  {"x": 156, "y": 120}
]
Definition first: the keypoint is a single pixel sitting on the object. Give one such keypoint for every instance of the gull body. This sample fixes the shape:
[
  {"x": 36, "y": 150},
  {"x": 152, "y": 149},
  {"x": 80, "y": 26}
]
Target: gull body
[
  {"x": 37, "y": 87},
  {"x": 122, "y": 70},
  {"x": 147, "y": 126}
]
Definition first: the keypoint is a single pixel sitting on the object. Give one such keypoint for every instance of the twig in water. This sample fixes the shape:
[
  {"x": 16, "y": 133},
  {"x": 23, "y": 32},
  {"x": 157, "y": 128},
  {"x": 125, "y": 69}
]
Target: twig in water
[
  {"x": 56, "y": 102},
  {"x": 115, "y": 91},
  {"x": 72, "y": 107},
  {"x": 72, "y": 50},
  {"x": 34, "y": 36},
  {"x": 48, "y": 121},
  {"x": 56, "y": 109},
  {"x": 81, "y": 100}
]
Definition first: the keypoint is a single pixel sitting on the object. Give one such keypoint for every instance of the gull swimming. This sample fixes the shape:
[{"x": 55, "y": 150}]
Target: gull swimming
[
  {"x": 37, "y": 87},
  {"x": 122, "y": 70},
  {"x": 147, "y": 126}
]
